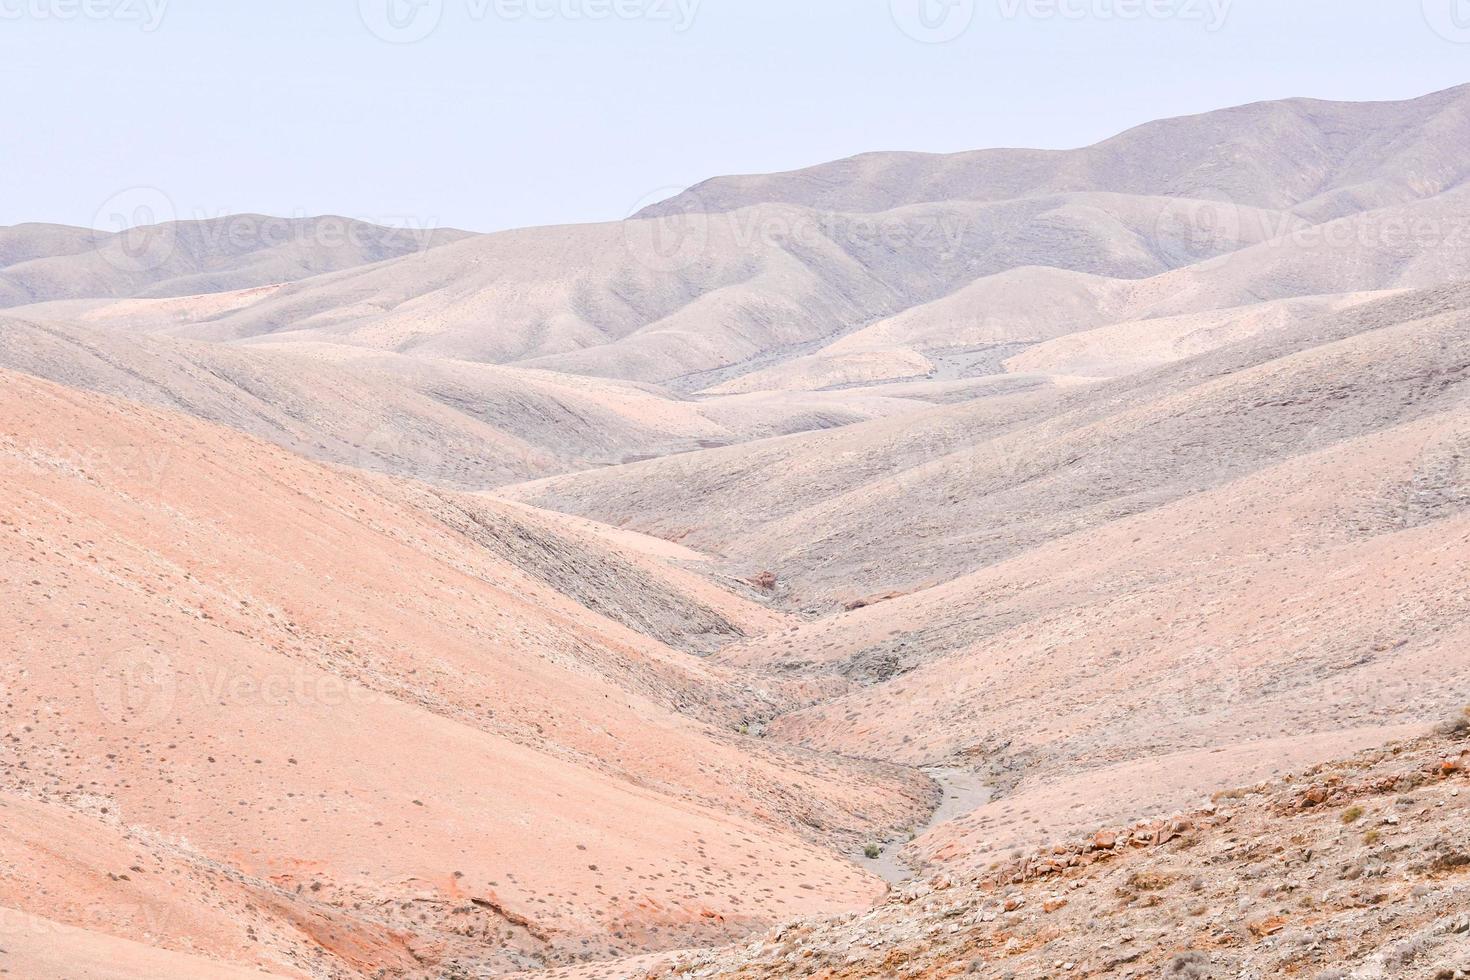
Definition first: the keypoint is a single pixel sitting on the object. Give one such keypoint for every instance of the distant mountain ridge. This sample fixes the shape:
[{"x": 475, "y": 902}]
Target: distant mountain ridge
[
  {"x": 1324, "y": 159},
  {"x": 43, "y": 263},
  {"x": 409, "y": 605},
  {"x": 815, "y": 266}
]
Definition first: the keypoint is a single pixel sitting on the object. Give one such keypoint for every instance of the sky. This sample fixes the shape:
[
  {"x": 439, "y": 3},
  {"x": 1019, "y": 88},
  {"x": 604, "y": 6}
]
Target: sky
[{"x": 491, "y": 114}]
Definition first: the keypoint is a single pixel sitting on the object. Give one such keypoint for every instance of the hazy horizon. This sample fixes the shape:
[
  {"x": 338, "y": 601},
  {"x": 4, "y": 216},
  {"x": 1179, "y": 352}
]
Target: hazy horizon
[
  {"x": 1012, "y": 564},
  {"x": 492, "y": 114}
]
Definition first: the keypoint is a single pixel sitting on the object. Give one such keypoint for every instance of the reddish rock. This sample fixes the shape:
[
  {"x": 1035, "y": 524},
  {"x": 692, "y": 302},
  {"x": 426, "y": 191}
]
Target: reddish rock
[{"x": 765, "y": 581}]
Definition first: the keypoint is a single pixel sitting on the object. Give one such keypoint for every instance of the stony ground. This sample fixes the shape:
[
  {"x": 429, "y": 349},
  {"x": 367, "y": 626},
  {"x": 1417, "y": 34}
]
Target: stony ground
[
  {"x": 1086, "y": 482},
  {"x": 1358, "y": 869}
]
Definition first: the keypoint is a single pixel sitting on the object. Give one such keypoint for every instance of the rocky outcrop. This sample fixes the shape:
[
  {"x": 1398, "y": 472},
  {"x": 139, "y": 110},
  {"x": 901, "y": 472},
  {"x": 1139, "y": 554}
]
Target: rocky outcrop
[{"x": 1356, "y": 869}]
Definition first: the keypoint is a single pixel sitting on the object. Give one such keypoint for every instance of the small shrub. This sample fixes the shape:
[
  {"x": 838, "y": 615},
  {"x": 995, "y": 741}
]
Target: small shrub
[
  {"x": 871, "y": 852},
  {"x": 1407, "y": 952},
  {"x": 1352, "y": 814},
  {"x": 1192, "y": 965},
  {"x": 1451, "y": 862},
  {"x": 1370, "y": 838},
  {"x": 1458, "y": 725},
  {"x": 1149, "y": 881}
]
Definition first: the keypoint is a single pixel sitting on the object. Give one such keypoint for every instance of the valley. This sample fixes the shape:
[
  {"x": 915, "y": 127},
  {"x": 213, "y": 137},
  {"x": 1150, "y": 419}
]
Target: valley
[{"x": 937, "y": 564}]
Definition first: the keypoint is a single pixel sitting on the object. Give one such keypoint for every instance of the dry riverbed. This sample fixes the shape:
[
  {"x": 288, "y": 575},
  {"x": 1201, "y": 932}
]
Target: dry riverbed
[{"x": 964, "y": 791}]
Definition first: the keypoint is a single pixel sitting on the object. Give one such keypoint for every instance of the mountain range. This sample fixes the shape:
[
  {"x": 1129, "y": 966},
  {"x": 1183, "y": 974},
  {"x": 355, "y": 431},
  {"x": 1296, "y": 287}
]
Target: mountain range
[{"x": 808, "y": 548}]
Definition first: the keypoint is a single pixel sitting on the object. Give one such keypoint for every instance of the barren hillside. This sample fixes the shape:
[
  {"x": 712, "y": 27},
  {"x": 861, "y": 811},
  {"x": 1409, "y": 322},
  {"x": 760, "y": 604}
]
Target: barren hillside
[
  {"x": 1322, "y": 158},
  {"x": 900, "y": 559},
  {"x": 899, "y": 504},
  {"x": 1356, "y": 868},
  {"x": 343, "y": 696},
  {"x": 451, "y": 423},
  {"x": 42, "y": 263}
]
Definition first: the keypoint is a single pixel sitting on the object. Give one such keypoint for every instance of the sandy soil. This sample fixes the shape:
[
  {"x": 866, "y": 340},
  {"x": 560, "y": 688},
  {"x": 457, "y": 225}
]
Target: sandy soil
[{"x": 540, "y": 601}]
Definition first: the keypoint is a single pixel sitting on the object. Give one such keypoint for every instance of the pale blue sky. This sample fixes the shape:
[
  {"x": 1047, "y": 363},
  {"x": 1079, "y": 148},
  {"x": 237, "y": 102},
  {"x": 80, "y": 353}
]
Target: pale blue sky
[{"x": 519, "y": 112}]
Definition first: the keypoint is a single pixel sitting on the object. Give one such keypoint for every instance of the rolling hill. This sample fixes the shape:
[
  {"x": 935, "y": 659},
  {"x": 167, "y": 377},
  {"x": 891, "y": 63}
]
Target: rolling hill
[{"x": 903, "y": 558}]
